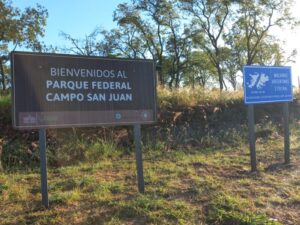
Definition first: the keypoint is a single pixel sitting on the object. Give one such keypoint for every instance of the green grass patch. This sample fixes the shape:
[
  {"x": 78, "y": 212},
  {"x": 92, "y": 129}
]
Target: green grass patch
[
  {"x": 181, "y": 188},
  {"x": 155, "y": 210},
  {"x": 226, "y": 209},
  {"x": 100, "y": 150},
  {"x": 5, "y": 100}
]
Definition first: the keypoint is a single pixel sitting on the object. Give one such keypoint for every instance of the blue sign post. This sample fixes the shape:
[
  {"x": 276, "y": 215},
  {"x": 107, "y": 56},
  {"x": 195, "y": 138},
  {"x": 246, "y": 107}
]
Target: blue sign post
[{"x": 264, "y": 84}]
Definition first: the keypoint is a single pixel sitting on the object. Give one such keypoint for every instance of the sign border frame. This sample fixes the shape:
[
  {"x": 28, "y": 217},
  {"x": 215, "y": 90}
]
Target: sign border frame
[
  {"x": 262, "y": 102},
  {"x": 13, "y": 110}
]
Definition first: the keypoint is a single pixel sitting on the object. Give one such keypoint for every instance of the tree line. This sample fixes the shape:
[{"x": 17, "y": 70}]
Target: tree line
[{"x": 193, "y": 42}]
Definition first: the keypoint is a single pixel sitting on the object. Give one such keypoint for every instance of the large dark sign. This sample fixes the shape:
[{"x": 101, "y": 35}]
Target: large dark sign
[{"x": 51, "y": 90}]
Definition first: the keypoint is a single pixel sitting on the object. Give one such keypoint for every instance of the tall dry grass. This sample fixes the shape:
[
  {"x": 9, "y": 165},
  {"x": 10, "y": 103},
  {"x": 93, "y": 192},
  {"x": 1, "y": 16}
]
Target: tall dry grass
[{"x": 188, "y": 97}]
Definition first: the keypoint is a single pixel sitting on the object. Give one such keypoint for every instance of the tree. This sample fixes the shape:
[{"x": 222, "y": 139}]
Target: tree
[
  {"x": 160, "y": 31},
  {"x": 251, "y": 36},
  {"x": 19, "y": 28},
  {"x": 178, "y": 48},
  {"x": 199, "y": 70},
  {"x": 224, "y": 34},
  {"x": 88, "y": 46},
  {"x": 146, "y": 16},
  {"x": 125, "y": 42},
  {"x": 178, "y": 44},
  {"x": 230, "y": 67},
  {"x": 210, "y": 18}
]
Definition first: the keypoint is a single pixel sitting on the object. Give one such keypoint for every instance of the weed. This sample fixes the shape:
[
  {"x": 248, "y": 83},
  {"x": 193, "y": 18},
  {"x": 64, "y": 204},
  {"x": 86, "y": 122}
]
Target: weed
[
  {"x": 84, "y": 182},
  {"x": 295, "y": 199},
  {"x": 58, "y": 198},
  {"x": 232, "y": 210},
  {"x": 153, "y": 146},
  {"x": 3, "y": 187},
  {"x": 17, "y": 154},
  {"x": 74, "y": 196},
  {"x": 155, "y": 210},
  {"x": 185, "y": 97},
  {"x": 65, "y": 185},
  {"x": 114, "y": 221},
  {"x": 67, "y": 197},
  {"x": 71, "y": 151},
  {"x": 5, "y": 100},
  {"x": 16, "y": 193},
  {"x": 100, "y": 150}
]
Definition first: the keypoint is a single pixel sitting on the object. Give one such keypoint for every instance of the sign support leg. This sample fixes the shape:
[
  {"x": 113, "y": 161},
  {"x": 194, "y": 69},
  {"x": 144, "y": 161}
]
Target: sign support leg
[
  {"x": 286, "y": 133},
  {"x": 43, "y": 162},
  {"x": 251, "y": 127},
  {"x": 139, "y": 158}
]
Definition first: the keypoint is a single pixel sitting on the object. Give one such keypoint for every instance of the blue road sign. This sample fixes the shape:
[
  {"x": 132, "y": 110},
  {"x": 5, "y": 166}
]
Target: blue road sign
[{"x": 264, "y": 84}]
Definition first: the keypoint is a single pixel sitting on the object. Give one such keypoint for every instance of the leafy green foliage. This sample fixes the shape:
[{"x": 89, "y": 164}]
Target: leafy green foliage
[
  {"x": 19, "y": 28},
  {"x": 193, "y": 42},
  {"x": 250, "y": 36},
  {"x": 4, "y": 100},
  {"x": 3, "y": 187},
  {"x": 5, "y": 108}
]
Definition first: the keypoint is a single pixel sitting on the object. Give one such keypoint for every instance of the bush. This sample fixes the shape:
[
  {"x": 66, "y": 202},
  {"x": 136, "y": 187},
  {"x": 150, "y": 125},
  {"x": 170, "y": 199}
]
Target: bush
[
  {"x": 100, "y": 150},
  {"x": 18, "y": 154}
]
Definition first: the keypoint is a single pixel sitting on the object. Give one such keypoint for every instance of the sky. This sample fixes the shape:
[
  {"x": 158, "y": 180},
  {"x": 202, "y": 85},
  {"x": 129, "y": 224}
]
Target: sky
[
  {"x": 292, "y": 41},
  {"x": 79, "y": 18},
  {"x": 75, "y": 17}
]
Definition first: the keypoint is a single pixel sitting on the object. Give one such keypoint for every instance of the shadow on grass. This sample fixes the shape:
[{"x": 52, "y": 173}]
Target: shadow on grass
[{"x": 282, "y": 166}]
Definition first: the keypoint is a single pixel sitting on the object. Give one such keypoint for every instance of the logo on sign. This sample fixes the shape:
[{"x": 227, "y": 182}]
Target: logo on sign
[
  {"x": 263, "y": 84},
  {"x": 118, "y": 116},
  {"x": 144, "y": 115},
  {"x": 29, "y": 119},
  {"x": 258, "y": 81}
]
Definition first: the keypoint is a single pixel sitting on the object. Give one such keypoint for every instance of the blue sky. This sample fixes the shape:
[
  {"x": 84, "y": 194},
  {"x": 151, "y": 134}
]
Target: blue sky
[
  {"x": 75, "y": 17},
  {"x": 79, "y": 18}
]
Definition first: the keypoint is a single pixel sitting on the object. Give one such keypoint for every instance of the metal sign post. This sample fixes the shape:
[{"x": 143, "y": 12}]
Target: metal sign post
[
  {"x": 286, "y": 133},
  {"x": 139, "y": 158},
  {"x": 263, "y": 84},
  {"x": 251, "y": 126},
  {"x": 43, "y": 162}
]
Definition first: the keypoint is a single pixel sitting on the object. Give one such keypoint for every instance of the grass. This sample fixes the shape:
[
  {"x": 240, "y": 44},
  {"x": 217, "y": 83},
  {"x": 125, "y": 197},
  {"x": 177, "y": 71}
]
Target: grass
[
  {"x": 188, "y": 97},
  {"x": 5, "y": 111},
  {"x": 5, "y": 99},
  {"x": 182, "y": 187}
]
